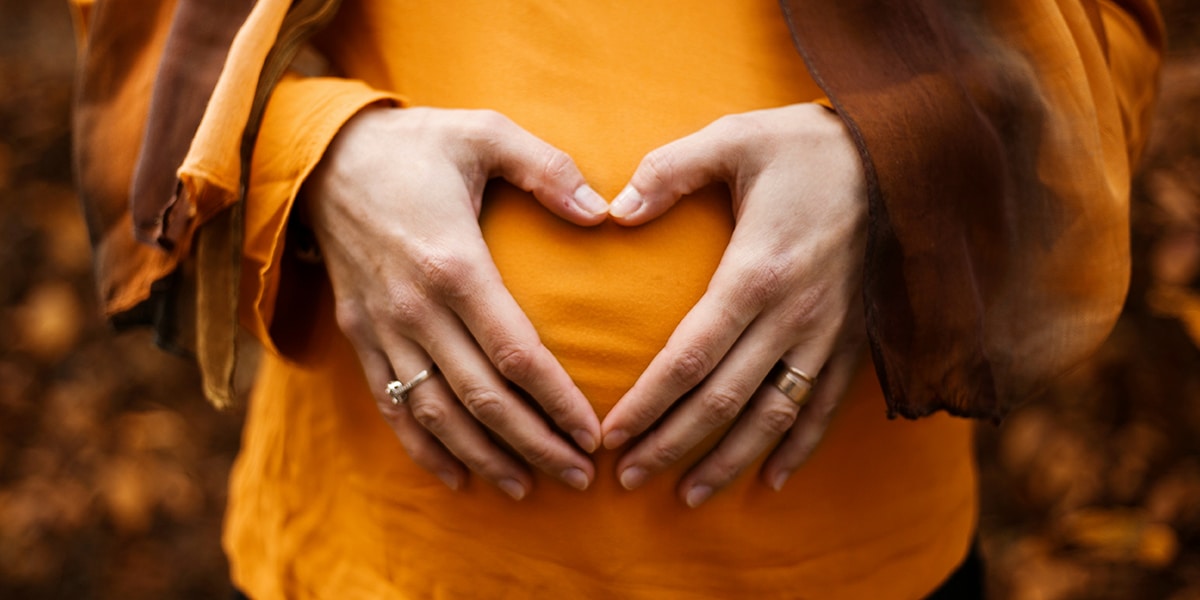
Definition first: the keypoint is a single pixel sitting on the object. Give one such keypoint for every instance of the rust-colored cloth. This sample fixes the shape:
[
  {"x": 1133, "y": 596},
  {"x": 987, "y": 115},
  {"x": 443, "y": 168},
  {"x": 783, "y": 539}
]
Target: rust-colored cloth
[{"x": 325, "y": 504}]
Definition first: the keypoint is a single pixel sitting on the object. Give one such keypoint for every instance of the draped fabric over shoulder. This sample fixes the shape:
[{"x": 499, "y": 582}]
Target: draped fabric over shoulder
[
  {"x": 191, "y": 79},
  {"x": 999, "y": 251}
]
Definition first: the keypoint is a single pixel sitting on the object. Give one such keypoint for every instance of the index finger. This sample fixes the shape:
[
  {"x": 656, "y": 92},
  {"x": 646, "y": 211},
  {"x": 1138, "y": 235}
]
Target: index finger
[
  {"x": 698, "y": 344},
  {"x": 513, "y": 346},
  {"x": 528, "y": 162}
]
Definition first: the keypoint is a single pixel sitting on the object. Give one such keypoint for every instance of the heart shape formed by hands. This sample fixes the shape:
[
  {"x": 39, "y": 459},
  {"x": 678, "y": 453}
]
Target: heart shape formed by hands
[{"x": 415, "y": 285}]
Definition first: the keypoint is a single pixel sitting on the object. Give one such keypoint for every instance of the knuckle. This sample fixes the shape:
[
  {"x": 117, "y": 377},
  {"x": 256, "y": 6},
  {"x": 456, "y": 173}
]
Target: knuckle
[
  {"x": 722, "y": 405},
  {"x": 660, "y": 167},
  {"x": 351, "y": 319},
  {"x": 777, "y": 420},
  {"x": 444, "y": 272},
  {"x": 555, "y": 165},
  {"x": 663, "y": 453},
  {"x": 743, "y": 129},
  {"x": 485, "y": 123},
  {"x": 430, "y": 415},
  {"x": 642, "y": 414},
  {"x": 764, "y": 281},
  {"x": 802, "y": 311},
  {"x": 391, "y": 411},
  {"x": 690, "y": 367},
  {"x": 405, "y": 307},
  {"x": 771, "y": 275},
  {"x": 729, "y": 126},
  {"x": 723, "y": 471},
  {"x": 488, "y": 466},
  {"x": 485, "y": 403},
  {"x": 539, "y": 454},
  {"x": 515, "y": 361}
]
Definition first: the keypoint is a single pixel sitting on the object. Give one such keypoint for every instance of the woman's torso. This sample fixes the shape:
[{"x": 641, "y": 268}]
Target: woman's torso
[{"x": 324, "y": 499}]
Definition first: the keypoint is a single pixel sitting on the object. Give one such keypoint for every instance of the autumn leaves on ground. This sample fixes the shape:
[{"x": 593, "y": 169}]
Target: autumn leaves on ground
[{"x": 112, "y": 468}]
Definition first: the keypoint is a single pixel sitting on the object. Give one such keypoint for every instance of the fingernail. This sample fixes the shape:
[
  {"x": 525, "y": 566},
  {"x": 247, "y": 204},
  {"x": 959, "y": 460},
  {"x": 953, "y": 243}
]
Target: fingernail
[
  {"x": 633, "y": 477},
  {"x": 780, "y": 479},
  {"x": 448, "y": 478},
  {"x": 575, "y": 478},
  {"x": 626, "y": 203},
  {"x": 513, "y": 488},
  {"x": 587, "y": 199},
  {"x": 585, "y": 440},
  {"x": 697, "y": 495},
  {"x": 615, "y": 438}
]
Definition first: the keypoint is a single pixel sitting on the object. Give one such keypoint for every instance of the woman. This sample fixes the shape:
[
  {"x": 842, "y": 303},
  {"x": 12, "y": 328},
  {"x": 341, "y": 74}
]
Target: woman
[{"x": 612, "y": 378}]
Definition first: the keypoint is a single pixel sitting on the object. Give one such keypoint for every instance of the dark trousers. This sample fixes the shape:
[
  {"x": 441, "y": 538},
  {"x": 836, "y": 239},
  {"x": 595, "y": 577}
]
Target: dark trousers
[{"x": 966, "y": 582}]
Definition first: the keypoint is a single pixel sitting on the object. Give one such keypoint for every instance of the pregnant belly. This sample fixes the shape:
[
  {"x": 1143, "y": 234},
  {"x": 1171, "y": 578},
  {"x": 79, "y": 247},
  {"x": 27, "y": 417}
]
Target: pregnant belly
[{"x": 605, "y": 299}]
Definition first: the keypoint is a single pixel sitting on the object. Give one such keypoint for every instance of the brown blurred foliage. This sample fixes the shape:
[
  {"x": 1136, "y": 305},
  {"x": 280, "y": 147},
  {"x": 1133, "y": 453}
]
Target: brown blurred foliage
[
  {"x": 112, "y": 468},
  {"x": 1093, "y": 492}
]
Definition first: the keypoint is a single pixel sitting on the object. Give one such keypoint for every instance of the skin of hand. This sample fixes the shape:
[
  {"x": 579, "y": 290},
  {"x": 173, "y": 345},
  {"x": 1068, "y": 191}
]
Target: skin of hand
[
  {"x": 394, "y": 205},
  {"x": 788, "y": 286}
]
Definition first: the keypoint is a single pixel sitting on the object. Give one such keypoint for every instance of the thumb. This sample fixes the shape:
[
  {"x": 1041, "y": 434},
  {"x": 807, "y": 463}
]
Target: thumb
[
  {"x": 673, "y": 170},
  {"x": 549, "y": 173}
]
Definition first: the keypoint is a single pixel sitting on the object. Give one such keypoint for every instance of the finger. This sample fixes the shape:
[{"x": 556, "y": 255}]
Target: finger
[
  {"x": 421, "y": 446},
  {"x": 433, "y": 405},
  {"x": 678, "y": 168},
  {"x": 487, "y": 396},
  {"x": 770, "y": 416},
  {"x": 512, "y": 345},
  {"x": 814, "y": 419},
  {"x": 700, "y": 341},
  {"x": 533, "y": 165},
  {"x": 713, "y": 405}
]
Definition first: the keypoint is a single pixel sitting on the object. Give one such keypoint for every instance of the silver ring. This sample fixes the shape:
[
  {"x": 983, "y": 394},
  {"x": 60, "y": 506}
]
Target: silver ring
[
  {"x": 399, "y": 390},
  {"x": 788, "y": 379}
]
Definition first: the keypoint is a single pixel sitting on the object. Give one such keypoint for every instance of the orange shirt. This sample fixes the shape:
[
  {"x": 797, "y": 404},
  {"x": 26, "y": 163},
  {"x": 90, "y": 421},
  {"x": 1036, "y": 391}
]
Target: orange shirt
[{"x": 325, "y": 503}]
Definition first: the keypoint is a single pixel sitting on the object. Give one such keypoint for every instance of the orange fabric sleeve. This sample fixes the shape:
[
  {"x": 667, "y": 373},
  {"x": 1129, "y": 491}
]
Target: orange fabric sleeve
[{"x": 302, "y": 118}]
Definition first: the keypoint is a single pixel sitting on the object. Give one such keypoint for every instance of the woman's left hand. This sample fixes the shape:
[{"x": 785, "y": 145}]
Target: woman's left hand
[{"x": 788, "y": 287}]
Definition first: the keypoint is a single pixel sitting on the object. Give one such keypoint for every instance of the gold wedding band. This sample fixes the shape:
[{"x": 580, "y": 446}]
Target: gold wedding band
[
  {"x": 399, "y": 390},
  {"x": 793, "y": 382}
]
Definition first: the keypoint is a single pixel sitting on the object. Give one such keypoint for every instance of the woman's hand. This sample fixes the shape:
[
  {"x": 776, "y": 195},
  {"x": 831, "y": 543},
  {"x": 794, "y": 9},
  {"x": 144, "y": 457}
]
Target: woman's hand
[
  {"x": 788, "y": 287},
  {"x": 395, "y": 206}
]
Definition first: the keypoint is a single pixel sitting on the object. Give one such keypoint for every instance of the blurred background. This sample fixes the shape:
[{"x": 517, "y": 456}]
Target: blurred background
[{"x": 113, "y": 468}]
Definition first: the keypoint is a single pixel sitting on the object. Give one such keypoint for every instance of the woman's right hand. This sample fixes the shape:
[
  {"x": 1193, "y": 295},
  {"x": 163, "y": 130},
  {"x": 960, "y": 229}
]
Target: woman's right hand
[{"x": 394, "y": 205}]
